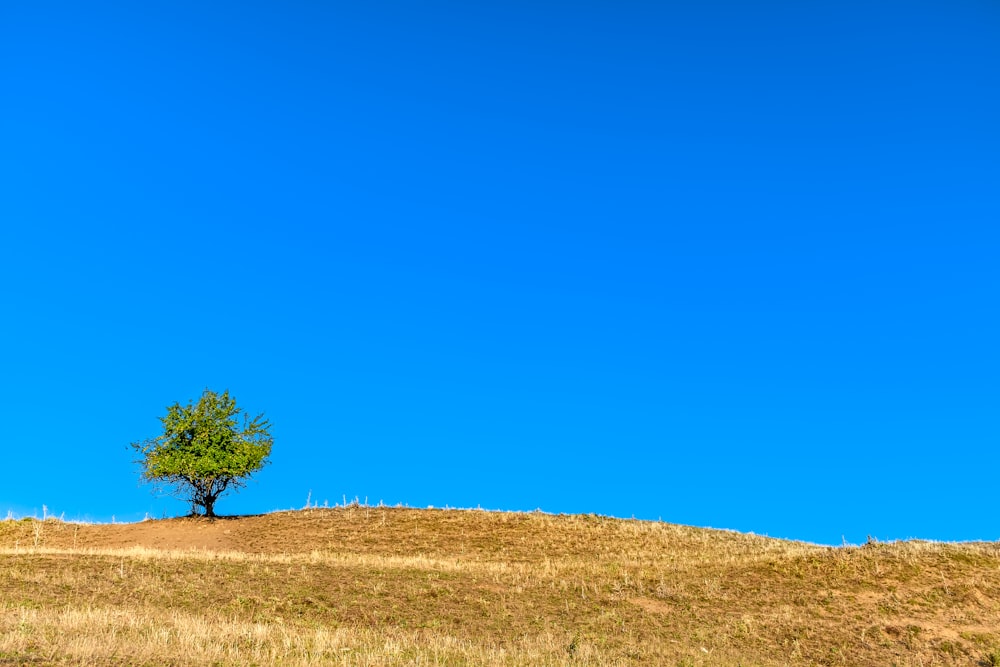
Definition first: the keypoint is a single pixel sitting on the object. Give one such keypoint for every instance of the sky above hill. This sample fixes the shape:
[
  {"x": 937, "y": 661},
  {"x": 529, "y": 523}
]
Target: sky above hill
[{"x": 716, "y": 263}]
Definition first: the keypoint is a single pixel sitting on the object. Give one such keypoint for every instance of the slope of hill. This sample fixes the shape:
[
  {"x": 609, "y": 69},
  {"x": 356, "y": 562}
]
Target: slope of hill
[{"x": 391, "y": 586}]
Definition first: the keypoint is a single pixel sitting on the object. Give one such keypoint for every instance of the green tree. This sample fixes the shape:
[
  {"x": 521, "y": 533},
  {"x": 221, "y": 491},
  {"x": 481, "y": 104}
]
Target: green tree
[{"x": 206, "y": 449}]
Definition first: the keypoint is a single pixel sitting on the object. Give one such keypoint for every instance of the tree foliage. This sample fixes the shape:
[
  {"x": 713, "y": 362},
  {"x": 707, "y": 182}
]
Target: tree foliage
[{"x": 205, "y": 449}]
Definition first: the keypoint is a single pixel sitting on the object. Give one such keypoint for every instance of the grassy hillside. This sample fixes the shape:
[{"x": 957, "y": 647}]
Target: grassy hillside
[{"x": 389, "y": 586}]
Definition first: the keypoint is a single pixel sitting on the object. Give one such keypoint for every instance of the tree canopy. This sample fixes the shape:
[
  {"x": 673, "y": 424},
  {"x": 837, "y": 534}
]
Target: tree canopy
[{"x": 206, "y": 449}]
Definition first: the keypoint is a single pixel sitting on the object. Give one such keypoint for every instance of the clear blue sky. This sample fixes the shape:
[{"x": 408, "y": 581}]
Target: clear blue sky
[{"x": 724, "y": 264}]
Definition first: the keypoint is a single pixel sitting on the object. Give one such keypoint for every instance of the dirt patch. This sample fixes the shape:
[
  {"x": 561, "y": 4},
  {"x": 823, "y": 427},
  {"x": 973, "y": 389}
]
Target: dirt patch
[
  {"x": 652, "y": 605},
  {"x": 184, "y": 533}
]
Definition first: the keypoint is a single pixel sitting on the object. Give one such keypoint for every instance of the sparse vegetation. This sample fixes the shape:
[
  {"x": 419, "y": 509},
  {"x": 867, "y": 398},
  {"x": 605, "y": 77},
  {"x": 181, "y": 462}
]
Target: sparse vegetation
[
  {"x": 203, "y": 451},
  {"x": 365, "y": 585}
]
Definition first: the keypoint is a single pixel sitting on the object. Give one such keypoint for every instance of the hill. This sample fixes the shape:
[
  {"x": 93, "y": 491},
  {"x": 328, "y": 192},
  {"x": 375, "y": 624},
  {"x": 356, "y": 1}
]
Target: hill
[{"x": 392, "y": 586}]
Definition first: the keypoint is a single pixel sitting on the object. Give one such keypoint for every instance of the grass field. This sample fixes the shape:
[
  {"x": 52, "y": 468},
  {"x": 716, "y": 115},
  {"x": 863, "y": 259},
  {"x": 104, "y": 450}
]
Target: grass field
[{"x": 391, "y": 586}]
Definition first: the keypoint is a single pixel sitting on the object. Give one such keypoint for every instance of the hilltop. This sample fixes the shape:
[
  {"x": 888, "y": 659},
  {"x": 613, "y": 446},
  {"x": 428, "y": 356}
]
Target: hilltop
[{"x": 393, "y": 586}]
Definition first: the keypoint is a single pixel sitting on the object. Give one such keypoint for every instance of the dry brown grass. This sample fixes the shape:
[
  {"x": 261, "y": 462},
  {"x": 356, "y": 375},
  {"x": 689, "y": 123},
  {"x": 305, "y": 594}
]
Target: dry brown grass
[{"x": 389, "y": 586}]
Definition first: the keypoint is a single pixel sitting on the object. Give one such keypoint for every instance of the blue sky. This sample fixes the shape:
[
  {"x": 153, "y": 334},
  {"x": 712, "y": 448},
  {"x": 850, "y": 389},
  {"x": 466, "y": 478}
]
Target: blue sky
[{"x": 724, "y": 264}]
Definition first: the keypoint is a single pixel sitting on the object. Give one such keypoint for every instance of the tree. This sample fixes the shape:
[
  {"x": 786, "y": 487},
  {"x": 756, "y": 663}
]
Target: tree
[{"x": 204, "y": 451}]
